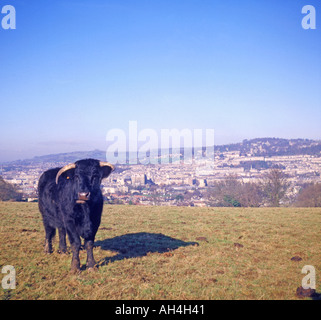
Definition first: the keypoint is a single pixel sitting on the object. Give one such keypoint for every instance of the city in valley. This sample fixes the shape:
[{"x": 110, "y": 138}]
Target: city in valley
[{"x": 188, "y": 184}]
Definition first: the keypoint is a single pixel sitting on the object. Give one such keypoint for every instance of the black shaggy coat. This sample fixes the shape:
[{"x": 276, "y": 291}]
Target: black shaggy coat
[{"x": 73, "y": 206}]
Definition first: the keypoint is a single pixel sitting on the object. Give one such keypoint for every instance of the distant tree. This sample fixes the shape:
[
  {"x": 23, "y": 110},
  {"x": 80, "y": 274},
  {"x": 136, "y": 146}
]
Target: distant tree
[
  {"x": 232, "y": 192},
  {"x": 226, "y": 192},
  {"x": 310, "y": 196},
  {"x": 179, "y": 198},
  {"x": 251, "y": 195},
  {"x": 196, "y": 193},
  {"x": 275, "y": 185},
  {"x": 231, "y": 202},
  {"x": 155, "y": 199},
  {"x": 9, "y": 191}
]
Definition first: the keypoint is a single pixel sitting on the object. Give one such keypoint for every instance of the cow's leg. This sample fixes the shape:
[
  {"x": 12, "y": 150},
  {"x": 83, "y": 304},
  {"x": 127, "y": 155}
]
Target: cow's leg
[
  {"x": 75, "y": 247},
  {"x": 75, "y": 262},
  {"x": 89, "y": 245},
  {"x": 50, "y": 233},
  {"x": 62, "y": 240}
]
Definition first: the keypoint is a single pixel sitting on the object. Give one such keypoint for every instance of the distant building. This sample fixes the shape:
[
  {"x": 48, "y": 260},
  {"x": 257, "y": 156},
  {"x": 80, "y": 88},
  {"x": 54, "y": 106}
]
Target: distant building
[{"x": 138, "y": 179}]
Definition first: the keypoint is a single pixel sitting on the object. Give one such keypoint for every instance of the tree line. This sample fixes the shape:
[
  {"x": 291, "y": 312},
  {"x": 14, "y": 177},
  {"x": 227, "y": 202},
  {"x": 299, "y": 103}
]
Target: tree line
[
  {"x": 272, "y": 190},
  {"x": 9, "y": 192}
]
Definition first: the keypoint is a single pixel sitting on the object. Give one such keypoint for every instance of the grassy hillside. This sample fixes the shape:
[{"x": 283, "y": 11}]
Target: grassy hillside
[{"x": 168, "y": 253}]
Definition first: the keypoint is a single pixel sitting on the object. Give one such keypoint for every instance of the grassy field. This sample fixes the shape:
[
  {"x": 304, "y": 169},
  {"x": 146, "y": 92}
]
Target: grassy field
[{"x": 167, "y": 253}]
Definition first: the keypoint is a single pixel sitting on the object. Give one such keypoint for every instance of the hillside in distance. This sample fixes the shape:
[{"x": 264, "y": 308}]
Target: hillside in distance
[
  {"x": 269, "y": 147},
  {"x": 260, "y": 147},
  {"x": 62, "y": 157}
]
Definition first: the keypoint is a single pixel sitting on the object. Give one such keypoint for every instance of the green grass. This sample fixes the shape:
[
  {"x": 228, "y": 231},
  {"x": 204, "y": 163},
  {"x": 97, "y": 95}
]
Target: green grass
[{"x": 167, "y": 253}]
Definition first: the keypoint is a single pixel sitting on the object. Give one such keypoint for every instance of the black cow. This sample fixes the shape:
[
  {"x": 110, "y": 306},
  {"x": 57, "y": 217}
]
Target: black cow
[{"x": 70, "y": 199}]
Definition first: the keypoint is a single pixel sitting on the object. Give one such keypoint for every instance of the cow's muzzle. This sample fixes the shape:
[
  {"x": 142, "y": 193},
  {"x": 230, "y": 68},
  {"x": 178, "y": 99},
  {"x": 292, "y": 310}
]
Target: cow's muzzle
[{"x": 83, "y": 197}]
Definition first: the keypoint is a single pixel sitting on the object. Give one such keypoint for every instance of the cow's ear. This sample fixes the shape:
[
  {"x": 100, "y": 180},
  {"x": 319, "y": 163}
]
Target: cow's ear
[{"x": 107, "y": 168}]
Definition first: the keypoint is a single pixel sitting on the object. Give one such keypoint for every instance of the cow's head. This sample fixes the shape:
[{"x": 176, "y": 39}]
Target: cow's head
[{"x": 85, "y": 177}]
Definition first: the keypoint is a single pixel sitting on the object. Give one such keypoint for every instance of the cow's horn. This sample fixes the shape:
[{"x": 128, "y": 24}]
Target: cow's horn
[
  {"x": 106, "y": 164},
  {"x": 64, "y": 169}
]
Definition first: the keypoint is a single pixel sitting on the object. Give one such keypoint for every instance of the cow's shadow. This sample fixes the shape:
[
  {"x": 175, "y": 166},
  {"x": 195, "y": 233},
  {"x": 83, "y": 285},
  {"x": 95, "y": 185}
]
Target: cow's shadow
[{"x": 135, "y": 245}]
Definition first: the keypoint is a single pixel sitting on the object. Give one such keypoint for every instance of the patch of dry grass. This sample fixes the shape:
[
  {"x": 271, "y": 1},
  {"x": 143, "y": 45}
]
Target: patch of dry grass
[{"x": 168, "y": 253}]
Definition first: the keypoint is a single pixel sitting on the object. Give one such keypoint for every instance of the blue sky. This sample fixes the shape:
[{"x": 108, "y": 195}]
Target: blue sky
[{"x": 74, "y": 69}]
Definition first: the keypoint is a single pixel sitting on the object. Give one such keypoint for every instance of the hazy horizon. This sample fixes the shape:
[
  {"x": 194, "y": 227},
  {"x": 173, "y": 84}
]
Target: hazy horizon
[
  {"x": 73, "y": 70},
  {"x": 124, "y": 151}
]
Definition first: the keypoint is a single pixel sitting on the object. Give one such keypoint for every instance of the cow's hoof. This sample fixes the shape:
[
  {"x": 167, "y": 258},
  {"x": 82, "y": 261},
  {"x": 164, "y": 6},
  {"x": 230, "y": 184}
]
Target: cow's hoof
[
  {"x": 75, "y": 271},
  {"x": 63, "y": 252},
  {"x": 92, "y": 269},
  {"x": 48, "y": 248},
  {"x": 75, "y": 267}
]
